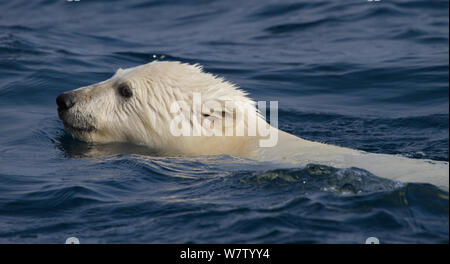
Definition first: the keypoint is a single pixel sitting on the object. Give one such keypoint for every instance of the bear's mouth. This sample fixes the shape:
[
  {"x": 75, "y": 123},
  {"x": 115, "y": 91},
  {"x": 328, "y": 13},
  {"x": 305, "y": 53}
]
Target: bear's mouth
[
  {"x": 81, "y": 126},
  {"x": 78, "y": 128}
]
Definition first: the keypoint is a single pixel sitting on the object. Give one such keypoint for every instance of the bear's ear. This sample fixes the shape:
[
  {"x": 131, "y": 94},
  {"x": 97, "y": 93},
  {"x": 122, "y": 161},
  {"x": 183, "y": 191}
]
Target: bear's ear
[
  {"x": 119, "y": 72},
  {"x": 210, "y": 120},
  {"x": 215, "y": 111}
]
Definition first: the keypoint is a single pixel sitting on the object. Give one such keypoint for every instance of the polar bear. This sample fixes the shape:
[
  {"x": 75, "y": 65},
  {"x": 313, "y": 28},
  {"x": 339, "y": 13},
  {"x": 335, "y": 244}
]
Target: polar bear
[{"x": 177, "y": 109}]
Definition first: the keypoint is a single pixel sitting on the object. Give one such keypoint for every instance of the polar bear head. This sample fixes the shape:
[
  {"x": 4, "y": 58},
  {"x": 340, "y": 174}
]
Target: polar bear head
[{"x": 142, "y": 105}]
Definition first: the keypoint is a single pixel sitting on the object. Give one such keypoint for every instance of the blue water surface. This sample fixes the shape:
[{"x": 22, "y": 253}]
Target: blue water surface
[{"x": 367, "y": 75}]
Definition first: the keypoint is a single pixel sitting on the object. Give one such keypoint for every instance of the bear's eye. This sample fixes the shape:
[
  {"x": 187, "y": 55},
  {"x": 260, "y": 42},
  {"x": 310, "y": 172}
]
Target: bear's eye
[{"x": 125, "y": 91}]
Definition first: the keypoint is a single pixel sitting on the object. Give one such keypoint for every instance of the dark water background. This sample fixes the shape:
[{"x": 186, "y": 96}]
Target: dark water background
[{"x": 367, "y": 75}]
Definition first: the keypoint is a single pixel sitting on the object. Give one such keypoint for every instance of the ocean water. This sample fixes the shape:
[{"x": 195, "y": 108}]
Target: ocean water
[{"x": 367, "y": 75}]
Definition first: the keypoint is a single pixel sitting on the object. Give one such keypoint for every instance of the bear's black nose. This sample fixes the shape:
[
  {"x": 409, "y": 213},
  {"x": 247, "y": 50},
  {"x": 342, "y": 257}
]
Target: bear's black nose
[{"x": 65, "y": 101}]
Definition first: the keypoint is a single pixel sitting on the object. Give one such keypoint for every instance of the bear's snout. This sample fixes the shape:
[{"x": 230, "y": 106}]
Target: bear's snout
[{"x": 65, "y": 101}]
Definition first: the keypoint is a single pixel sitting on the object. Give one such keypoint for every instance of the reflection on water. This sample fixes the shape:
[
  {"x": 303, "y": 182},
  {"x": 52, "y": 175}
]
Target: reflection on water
[{"x": 73, "y": 148}]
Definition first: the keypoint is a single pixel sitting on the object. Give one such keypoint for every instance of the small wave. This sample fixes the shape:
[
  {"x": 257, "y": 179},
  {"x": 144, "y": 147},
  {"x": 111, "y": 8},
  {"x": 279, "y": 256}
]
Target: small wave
[
  {"x": 322, "y": 178},
  {"x": 282, "y": 9},
  {"x": 52, "y": 201},
  {"x": 286, "y": 28}
]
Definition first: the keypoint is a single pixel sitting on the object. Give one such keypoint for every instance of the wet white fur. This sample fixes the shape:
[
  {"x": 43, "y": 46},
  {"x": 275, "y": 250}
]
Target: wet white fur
[{"x": 144, "y": 119}]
